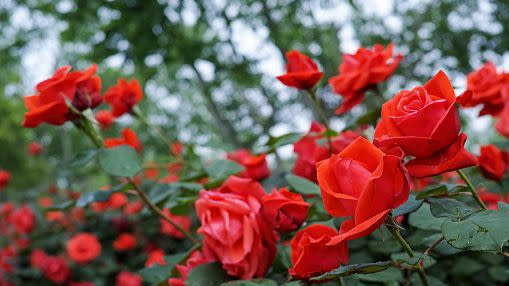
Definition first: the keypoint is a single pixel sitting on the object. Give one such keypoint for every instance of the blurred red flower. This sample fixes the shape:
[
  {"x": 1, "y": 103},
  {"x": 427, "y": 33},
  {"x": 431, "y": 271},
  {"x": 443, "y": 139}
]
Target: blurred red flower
[
  {"x": 83, "y": 247},
  {"x": 255, "y": 166},
  {"x": 129, "y": 138},
  {"x": 301, "y": 71},
  {"x": 123, "y": 96}
]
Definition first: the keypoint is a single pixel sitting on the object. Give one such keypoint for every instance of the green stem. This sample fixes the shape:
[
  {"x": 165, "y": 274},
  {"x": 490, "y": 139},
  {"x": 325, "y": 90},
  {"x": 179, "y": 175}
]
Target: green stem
[
  {"x": 160, "y": 213},
  {"x": 323, "y": 116},
  {"x": 88, "y": 128},
  {"x": 397, "y": 235},
  {"x": 472, "y": 189}
]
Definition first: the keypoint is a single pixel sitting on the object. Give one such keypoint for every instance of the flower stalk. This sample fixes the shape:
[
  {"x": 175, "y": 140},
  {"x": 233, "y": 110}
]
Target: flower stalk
[{"x": 472, "y": 189}]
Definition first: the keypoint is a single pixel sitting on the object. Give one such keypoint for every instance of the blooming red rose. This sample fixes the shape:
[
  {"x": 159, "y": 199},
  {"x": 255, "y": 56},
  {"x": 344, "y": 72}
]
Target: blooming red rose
[
  {"x": 23, "y": 219},
  {"x": 83, "y": 247},
  {"x": 493, "y": 162},
  {"x": 155, "y": 256},
  {"x": 310, "y": 254},
  {"x": 34, "y": 149},
  {"x": 255, "y": 166},
  {"x": 129, "y": 138},
  {"x": 5, "y": 178},
  {"x": 301, "y": 71},
  {"x": 362, "y": 70},
  {"x": 126, "y": 278},
  {"x": 424, "y": 122},
  {"x": 125, "y": 241},
  {"x": 104, "y": 118},
  {"x": 314, "y": 147},
  {"x": 486, "y": 85},
  {"x": 123, "y": 96},
  {"x": 196, "y": 258},
  {"x": 235, "y": 231},
  {"x": 181, "y": 220},
  {"x": 284, "y": 210},
  {"x": 82, "y": 89},
  {"x": 55, "y": 269},
  {"x": 364, "y": 183}
]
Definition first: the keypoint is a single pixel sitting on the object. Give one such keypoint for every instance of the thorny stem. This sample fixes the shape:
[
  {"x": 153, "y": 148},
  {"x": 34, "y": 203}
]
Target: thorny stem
[
  {"x": 472, "y": 189},
  {"x": 321, "y": 112},
  {"x": 158, "y": 211},
  {"x": 435, "y": 244},
  {"x": 397, "y": 235}
]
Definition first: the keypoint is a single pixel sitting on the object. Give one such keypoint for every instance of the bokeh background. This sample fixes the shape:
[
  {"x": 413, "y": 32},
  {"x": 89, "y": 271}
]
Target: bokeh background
[{"x": 208, "y": 67}]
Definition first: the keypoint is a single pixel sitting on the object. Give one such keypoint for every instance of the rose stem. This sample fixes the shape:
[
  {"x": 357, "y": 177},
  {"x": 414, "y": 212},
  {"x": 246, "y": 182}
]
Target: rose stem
[
  {"x": 397, "y": 235},
  {"x": 472, "y": 189}
]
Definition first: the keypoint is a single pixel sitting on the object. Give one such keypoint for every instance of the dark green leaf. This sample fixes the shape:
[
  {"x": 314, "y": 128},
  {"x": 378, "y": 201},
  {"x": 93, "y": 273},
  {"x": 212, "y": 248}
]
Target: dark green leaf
[
  {"x": 120, "y": 161},
  {"x": 450, "y": 208},
  {"x": 222, "y": 169},
  {"x": 283, "y": 140},
  {"x": 303, "y": 186},
  {"x": 411, "y": 262},
  {"x": 409, "y": 206},
  {"x": 386, "y": 276},
  {"x": 362, "y": 268},
  {"x": 209, "y": 274},
  {"x": 423, "y": 219}
]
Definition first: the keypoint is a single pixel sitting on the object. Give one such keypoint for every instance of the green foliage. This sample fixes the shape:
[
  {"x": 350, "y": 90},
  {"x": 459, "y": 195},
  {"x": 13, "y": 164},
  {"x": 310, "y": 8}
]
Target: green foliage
[
  {"x": 301, "y": 185},
  {"x": 209, "y": 274},
  {"x": 120, "y": 161}
]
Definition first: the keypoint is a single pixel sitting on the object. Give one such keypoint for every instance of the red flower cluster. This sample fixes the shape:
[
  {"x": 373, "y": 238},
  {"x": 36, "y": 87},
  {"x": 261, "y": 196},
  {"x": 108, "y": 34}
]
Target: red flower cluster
[
  {"x": 123, "y": 96},
  {"x": 5, "y": 178},
  {"x": 81, "y": 89},
  {"x": 54, "y": 268},
  {"x": 129, "y": 138},
  {"x": 83, "y": 248},
  {"x": 486, "y": 85},
  {"x": 255, "y": 166},
  {"x": 363, "y": 183},
  {"x": 23, "y": 220},
  {"x": 235, "y": 231},
  {"x": 424, "y": 122},
  {"x": 361, "y": 71},
  {"x": 314, "y": 147}
]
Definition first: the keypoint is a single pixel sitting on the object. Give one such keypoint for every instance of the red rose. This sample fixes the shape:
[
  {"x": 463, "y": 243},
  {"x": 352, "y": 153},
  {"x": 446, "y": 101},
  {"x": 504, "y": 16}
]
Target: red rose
[
  {"x": 424, "y": 123},
  {"x": 83, "y": 247},
  {"x": 301, "y": 71},
  {"x": 255, "y": 166},
  {"x": 360, "y": 71},
  {"x": 55, "y": 269},
  {"x": 363, "y": 183},
  {"x": 155, "y": 256},
  {"x": 5, "y": 178},
  {"x": 196, "y": 258},
  {"x": 129, "y": 138},
  {"x": 493, "y": 162},
  {"x": 181, "y": 220},
  {"x": 23, "y": 219},
  {"x": 126, "y": 278},
  {"x": 123, "y": 96},
  {"x": 34, "y": 149},
  {"x": 81, "y": 88},
  {"x": 502, "y": 124},
  {"x": 284, "y": 210},
  {"x": 310, "y": 254},
  {"x": 38, "y": 258},
  {"x": 125, "y": 241},
  {"x": 115, "y": 201},
  {"x": 235, "y": 232},
  {"x": 314, "y": 147},
  {"x": 104, "y": 118},
  {"x": 486, "y": 85}
]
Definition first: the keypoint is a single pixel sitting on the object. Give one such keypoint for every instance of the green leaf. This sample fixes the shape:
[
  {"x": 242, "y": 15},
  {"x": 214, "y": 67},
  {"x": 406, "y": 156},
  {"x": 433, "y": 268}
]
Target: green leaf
[
  {"x": 282, "y": 140},
  {"x": 411, "y": 262},
  {"x": 362, "y": 268},
  {"x": 222, "y": 169},
  {"x": 303, "y": 186},
  {"x": 423, "y": 219},
  {"x": 159, "y": 273},
  {"x": 254, "y": 282},
  {"x": 82, "y": 158},
  {"x": 450, "y": 208},
  {"x": 209, "y": 274},
  {"x": 386, "y": 276},
  {"x": 409, "y": 206},
  {"x": 120, "y": 161},
  {"x": 440, "y": 190}
]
